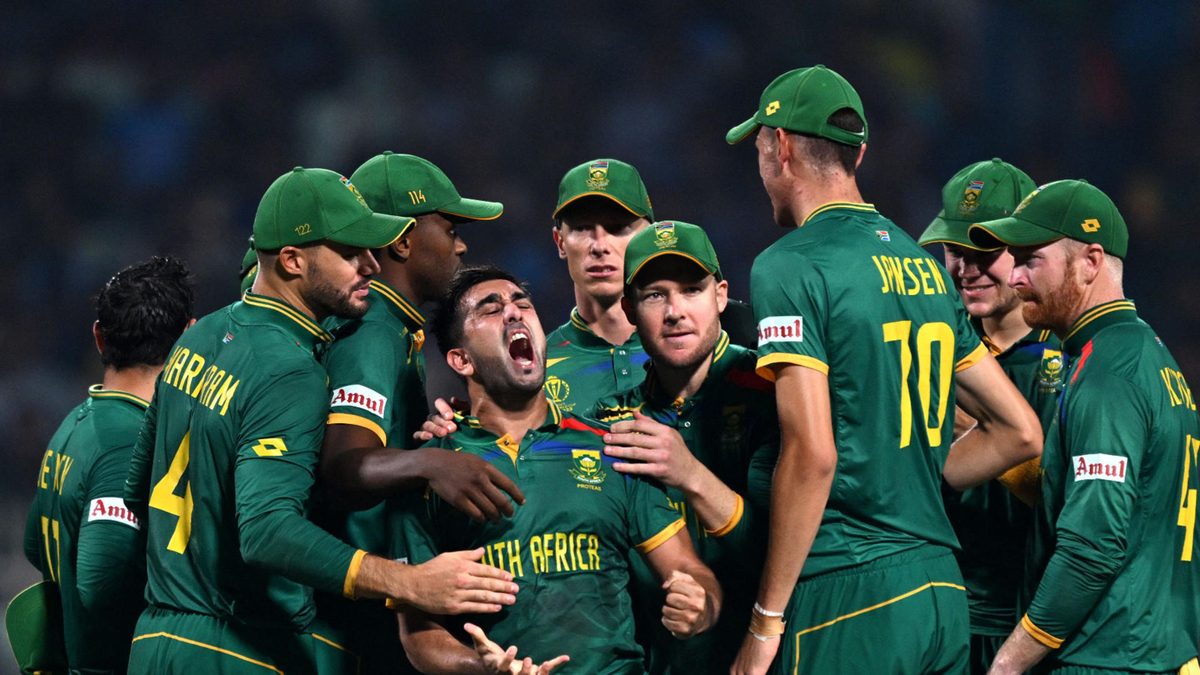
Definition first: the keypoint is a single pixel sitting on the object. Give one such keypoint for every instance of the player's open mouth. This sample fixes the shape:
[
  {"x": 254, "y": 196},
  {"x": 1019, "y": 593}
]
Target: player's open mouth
[{"x": 520, "y": 347}]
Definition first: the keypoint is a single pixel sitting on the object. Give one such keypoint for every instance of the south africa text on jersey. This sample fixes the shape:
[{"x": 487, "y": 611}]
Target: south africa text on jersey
[
  {"x": 548, "y": 553},
  {"x": 213, "y": 388}
]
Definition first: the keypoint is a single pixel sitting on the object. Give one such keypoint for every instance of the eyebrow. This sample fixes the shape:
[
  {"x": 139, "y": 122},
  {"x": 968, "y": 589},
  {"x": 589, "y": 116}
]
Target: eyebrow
[{"x": 497, "y": 298}]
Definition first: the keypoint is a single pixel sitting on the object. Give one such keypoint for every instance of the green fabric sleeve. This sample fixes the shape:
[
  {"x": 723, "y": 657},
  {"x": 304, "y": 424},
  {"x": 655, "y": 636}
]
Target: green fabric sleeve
[
  {"x": 651, "y": 517},
  {"x": 137, "y": 480},
  {"x": 364, "y": 378},
  {"x": 1106, "y": 434},
  {"x": 791, "y": 304},
  {"x": 280, "y": 442},
  {"x": 33, "y": 543},
  {"x": 110, "y": 560}
]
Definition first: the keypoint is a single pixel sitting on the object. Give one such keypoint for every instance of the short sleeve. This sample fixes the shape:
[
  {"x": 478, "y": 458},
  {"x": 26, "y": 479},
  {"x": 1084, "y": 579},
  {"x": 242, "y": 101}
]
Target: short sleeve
[
  {"x": 365, "y": 372},
  {"x": 652, "y": 519},
  {"x": 790, "y": 302},
  {"x": 105, "y": 497}
]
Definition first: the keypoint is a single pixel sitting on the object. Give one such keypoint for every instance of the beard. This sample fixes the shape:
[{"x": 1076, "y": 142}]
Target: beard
[
  {"x": 325, "y": 299},
  {"x": 676, "y": 360},
  {"x": 1008, "y": 301},
  {"x": 496, "y": 376},
  {"x": 1056, "y": 308}
]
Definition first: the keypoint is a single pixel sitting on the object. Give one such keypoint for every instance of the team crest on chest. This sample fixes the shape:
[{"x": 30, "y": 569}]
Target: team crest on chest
[
  {"x": 1050, "y": 373},
  {"x": 587, "y": 468}
]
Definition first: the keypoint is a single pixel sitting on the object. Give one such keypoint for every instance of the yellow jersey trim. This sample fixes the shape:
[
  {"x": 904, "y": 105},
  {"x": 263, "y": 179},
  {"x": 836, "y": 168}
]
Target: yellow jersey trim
[
  {"x": 290, "y": 312},
  {"x": 864, "y": 610},
  {"x": 764, "y": 370},
  {"x": 205, "y": 645},
  {"x": 555, "y": 412},
  {"x": 1046, "y": 639},
  {"x": 98, "y": 391},
  {"x": 331, "y": 643},
  {"x": 722, "y": 345},
  {"x": 739, "y": 508},
  {"x": 398, "y": 300},
  {"x": 855, "y": 206},
  {"x": 352, "y": 573},
  {"x": 509, "y": 447},
  {"x": 1045, "y": 335},
  {"x": 550, "y": 363},
  {"x": 355, "y": 420},
  {"x": 577, "y": 321},
  {"x": 1097, "y": 312},
  {"x": 974, "y": 357},
  {"x": 662, "y": 537},
  {"x": 1190, "y": 668}
]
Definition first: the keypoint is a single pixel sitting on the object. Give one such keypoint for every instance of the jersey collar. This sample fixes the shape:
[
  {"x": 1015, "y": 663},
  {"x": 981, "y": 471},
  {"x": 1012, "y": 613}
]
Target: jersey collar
[
  {"x": 837, "y": 206},
  {"x": 1034, "y": 336},
  {"x": 471, "y": 428},
  {"x": 280, "y": 313},
  {"x": 1096, "y": 319},
  {"x": 398, "y": 305},
  {"x": 658, "y": 399},
  {"x": 99, "y": 393},
  {"x": 578, "y": 332}
]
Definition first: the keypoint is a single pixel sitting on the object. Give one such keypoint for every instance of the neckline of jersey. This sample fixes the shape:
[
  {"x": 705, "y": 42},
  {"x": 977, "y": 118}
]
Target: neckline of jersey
[
  {"x": 830, "y": 206},
  {"x": 97, "y": 391},
  {"x": 1034, "y": 336},
  {"x": 579, "y": 333},
  {"x": 652, "y": 394},
  {"x": 1096, "y": 319},
  {"x": 399, "y": 305},
  {"x": 297, "y": 321}
]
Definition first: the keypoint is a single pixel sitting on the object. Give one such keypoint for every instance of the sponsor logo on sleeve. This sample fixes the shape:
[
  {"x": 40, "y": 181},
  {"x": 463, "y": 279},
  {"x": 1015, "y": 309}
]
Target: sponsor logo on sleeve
[
  {"x": 781, "y": 329},
  {"x": 1100, "y": 467},
  {"x": 358, "y": 396},
  {"x": 112, "y": 508}
]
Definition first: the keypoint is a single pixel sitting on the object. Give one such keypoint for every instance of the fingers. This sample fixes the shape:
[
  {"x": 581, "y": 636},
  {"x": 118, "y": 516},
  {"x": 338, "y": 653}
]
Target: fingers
[
  {"x": 487, "y": 510},
  {"x": 640, "y": 469},
  {"x": 486, "y": 574},
  {"x": 633, "y": 453},
  {"x": 553, "y": 663},
  {"x": 631, "y": 438},
  {"x": 498, "y": 499},
  {"x": 443, "y": 408},
  {"x": 477, "y": 635},
  {"x": 505, "y": 483}
]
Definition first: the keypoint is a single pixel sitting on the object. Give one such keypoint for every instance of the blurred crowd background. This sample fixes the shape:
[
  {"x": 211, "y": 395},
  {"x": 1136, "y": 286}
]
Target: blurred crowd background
[{"x": 137, "y": 128}]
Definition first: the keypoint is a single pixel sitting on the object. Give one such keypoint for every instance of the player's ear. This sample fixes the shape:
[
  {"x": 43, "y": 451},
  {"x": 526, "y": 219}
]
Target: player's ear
[
  {"x": 460, "y": 362},
  {"x": 401, "y": 249},
  {"x": 99, "y": 337},
  {"x": 722, "y": 295},
  {"x": 556, "y": 232},
  {"x": 1092, "y": 257},
  {"x": 862, "y": 152},
  {"x": 292, "y": 260}
]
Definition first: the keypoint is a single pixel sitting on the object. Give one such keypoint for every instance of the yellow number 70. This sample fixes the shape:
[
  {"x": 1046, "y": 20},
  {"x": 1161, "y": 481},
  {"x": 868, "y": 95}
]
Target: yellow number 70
[{"x": 928, "y": 335}]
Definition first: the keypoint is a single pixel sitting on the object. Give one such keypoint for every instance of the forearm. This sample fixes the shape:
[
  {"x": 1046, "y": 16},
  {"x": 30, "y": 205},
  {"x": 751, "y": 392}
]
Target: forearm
[
  {"x": 285, "y": 542},
  {"x": 1019, "y": 653},
  {"x": 985, "y": 453},
  {"x": 798, "y": 499},
  {"x": 355, "y": 479},
  {"x": 713, "y": 595},
  {"x": 717, "y": 507},
  {"x": 1075, "y": 578},
  {"x": 433, "y": 650}
]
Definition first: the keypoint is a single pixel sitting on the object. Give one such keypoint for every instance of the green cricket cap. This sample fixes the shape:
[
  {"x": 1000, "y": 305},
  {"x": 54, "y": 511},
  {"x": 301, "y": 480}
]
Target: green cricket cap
[
  {"x": 670, "y": 237},
  {"x": 982, "y": 191},
  {"x": 1074, "y": 209},
  {"x": 249, "y": 268},
  {"x": 304, "y": 206},
  {"x": 802, "y": 100},
  {"x": 34, "y": 623},
  {"x": 407, "y": 185},
  {"x": 608, "y": 178}
]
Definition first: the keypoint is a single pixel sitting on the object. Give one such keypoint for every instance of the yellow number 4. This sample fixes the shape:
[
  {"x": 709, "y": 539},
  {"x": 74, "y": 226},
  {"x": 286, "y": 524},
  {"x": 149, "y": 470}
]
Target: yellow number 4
[
  {"x": 1187, "y": 498},
  {"x": 929, "y": 334},
  {"x": 163, "y": 497}
]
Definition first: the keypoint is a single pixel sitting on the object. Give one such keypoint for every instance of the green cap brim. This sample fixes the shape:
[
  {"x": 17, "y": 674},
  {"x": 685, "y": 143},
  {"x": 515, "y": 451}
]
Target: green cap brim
[
  {"x": 473, "y": 209},
  {"x": 629, "y": 279},
  {"x": 948, "y": 231},
  {"x": 598, "y": 194},
  {"x": 34, "y": 621},
  {"x": 373, "y": 231},
  {"x": 1010, "y": 231},
  {"x": 742, "y": 131}
]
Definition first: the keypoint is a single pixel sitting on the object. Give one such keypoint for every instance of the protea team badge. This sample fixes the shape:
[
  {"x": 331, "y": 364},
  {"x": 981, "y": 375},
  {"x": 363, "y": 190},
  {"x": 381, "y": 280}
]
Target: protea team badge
[
  {"x": 597, "y": 177},
  {"x": 970, "y": 199},
  {"x": 357, "y": 194},
  {"x": 664, "y": 235},
  {"x": 1050, "y": 374},
  {"x": 586, "y": 467}
]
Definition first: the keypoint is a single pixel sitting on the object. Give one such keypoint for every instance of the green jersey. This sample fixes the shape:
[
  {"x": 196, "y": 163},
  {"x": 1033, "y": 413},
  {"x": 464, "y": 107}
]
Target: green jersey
[
  {"x": 377, "y": 379},
  {"x": 730, "y": 425},
  {"x": 1121, "y": 477},
  {"x": 849, "y": 294},
  {"x": 992, "y": 525},
  {"x": 582, "y": 367},
  {"x": 224, "y": 466},
  {"x": 568, "y": 547},
  {"x": 80, "y": 534}
]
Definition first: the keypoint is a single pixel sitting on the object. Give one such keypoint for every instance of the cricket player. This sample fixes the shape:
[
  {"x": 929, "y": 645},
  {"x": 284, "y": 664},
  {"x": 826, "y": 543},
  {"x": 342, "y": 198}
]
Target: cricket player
[
  {"x": 221, "y": 474},
  {"x": 376, "y": 369},
  {"x": 248, "y": 270},
  {"x": 992, "y": 524},
  {"x": 568, "y": 545},
  {"x": 703, "y": 424},
  {"x": 864, "y": 337},
  {"x": 1120, "y": 591},
  {"x": 79, "y": 533},
  {"x": 596, "y": 353}
]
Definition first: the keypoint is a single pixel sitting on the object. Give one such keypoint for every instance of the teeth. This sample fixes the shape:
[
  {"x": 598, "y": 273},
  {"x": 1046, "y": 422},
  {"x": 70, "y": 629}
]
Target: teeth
[{"x": 517, "y": 335}]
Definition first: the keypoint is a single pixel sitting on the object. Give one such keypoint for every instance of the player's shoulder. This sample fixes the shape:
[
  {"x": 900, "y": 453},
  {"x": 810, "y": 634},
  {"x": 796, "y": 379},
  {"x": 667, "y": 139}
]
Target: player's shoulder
[
  {"x": 590, "y": 431},
  {"x": 1128, "y": 351},
  {"x": 741, "y": 372}
]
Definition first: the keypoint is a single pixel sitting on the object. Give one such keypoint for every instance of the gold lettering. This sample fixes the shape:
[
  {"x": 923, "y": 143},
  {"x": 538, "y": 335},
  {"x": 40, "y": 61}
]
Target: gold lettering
[
  {"x": 882, "y": 275},
  {"x": 171, "y": 375},
  {"x": 45, "y": 469},
  {"x": 225, "y": 394},
  {"x": 916, "y": 285},
  {"x": 207, "y": 394},
  {"x": 560, "y": 552},
  {"x": 193, "y": 368},
  {"x": 62, "y": 466},
  {"x": 515, "y": 567},
  {"x": 593, "y": 552},
  {"x": 897, "y": 274},
  {"x": 536, "y": 554},
  {"x": 208, "y": 375},
  {"x": 922, "y": 266},
  {"x": 1166, "y": 377}
]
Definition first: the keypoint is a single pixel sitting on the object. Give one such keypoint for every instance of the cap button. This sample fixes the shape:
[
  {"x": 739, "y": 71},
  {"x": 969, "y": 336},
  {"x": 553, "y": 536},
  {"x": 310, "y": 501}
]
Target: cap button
[
  {"x": 297, "y": 169},
  {"x": 388, "y": 152},
  {"x": 997, "y": 160}
]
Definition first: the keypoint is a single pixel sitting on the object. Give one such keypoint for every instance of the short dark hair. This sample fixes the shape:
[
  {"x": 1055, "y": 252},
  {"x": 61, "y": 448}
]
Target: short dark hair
[
  {"x": 447, "y": 323},
  {"x": 824, "y": 152},
  {"x": 142, "y": 310}
]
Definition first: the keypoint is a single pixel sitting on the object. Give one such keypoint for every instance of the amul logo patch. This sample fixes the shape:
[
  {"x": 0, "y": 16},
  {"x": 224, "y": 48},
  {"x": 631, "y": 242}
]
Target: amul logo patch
[
  {"x": 1100, "y": 467},
  {"x": 358, "y": 396},
  {"x": 781, "y": 329}
]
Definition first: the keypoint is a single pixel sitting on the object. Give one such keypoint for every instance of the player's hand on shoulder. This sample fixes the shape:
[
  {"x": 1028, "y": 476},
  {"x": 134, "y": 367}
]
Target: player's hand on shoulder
[
  {"x": 502, "y": 661},
  {"x": 683, "y": 612},
  {"x": 652, "y": 449},
  {"x": 440, "y": 423},
  {"x": 457, "y": 583},
  {"x": 471, "y": 484}
]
